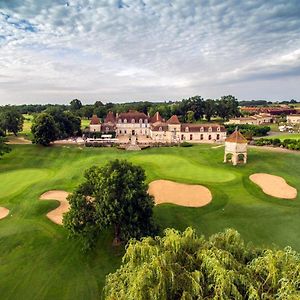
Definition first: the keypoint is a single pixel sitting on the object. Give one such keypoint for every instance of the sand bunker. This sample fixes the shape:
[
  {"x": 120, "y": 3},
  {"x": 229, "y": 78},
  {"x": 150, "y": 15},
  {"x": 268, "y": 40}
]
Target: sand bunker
[
  {"x": 56, "y": 215},
  {"x": 3, "y": 212},
  {"x": 274, "y": 185},
  {"x": 165, "y": 191}
]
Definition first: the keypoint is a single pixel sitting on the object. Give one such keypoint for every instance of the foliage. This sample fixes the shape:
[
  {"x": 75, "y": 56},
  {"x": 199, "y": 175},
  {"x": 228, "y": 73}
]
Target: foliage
[
  {"x": 3, "y": 147},
  {"x": 249, "y": 130},
  {"x": 66, "y": 122},
  {"x": 75, "y": 104},
  {"x": 114, "y": 195},
  {"x": 185, "y": 266},
  {"x": 44, "y": 129},
  {"x": 186, "y": 144},
  {"x": 11, "y": 120},
  {"x": 227, "y": 107},
  {"x": 292, "y": 144},
  {"x": 210, "y": 109}
]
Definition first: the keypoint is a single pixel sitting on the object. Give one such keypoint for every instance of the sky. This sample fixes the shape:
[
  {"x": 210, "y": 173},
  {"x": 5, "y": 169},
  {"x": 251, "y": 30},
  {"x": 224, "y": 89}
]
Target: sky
[{"x": 52, "y": 51}]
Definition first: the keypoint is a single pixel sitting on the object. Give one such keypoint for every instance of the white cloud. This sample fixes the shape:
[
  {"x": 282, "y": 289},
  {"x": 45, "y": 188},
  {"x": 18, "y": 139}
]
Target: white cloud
[{"x": 154, "y": 49}]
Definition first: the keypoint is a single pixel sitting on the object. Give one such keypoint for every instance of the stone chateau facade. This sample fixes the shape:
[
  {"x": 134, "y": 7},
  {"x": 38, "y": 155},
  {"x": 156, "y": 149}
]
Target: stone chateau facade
[{"x": 134, "y": 123}]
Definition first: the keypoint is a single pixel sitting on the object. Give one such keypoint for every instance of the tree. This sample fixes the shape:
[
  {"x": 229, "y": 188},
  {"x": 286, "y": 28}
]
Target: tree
[
  {"x": 190, "y": 116},
  {"x": 209, "y": 109},
  {"x": 185, "y": 266},
  {"x": 43, "y": 129},
  {"x": 11, "y": 120},
  {"x": 227, "y": 107},
  {"x": 67, "y": 123},
  {"x": 114, "y": 195},
  {"x": 75, "y": 104}
]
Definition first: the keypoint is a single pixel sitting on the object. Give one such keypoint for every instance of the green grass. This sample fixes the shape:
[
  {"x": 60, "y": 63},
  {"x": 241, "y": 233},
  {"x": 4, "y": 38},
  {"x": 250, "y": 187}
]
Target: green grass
[
  {"x": 85, "y": 123},
  {"x": 283, "y": 136},
  {"x": 38, "y": 261}
]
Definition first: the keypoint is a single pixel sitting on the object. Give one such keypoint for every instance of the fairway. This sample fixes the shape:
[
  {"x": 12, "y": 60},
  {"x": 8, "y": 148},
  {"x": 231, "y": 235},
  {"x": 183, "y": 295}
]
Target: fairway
[{"x": 38, "y": 261}]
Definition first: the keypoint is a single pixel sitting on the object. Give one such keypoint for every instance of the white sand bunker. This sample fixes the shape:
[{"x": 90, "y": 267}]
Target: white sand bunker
[
  {"x": 56, "y": 215},
  {"x": 274, "y": 185},
  {"x": 3, "y": 212},
  {"x": 165, "y": 191}
]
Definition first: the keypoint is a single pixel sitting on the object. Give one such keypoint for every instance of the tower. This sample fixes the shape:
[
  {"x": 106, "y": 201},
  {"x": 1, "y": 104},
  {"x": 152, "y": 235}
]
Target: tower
[{"x": 236, "y": 146}]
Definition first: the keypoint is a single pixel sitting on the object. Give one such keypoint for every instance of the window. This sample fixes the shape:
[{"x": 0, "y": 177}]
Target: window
[
  {"x": 120, "y": 120},
  {"x": 202, "y": 129},
  {"x": 125, "y": 121},
  {"x": 218, "y": 129},
  {"x": 107, "y": 129},
  {"x": 132, "y": 121},
  {"x": 182, "y": 137},
  {"x": 186, "y": 129},
  {"x": 209, "y": 137},
  {"x": 218, "y": 136},
  {"x": 146, "y": 121},
  {"x": 191, "y": 137},
  {"x": 160, "y": 128},
  {"x": 141, "y": 120},
  {"x": 210, "y": 129},
  {"x": 125, "y": 132},
  {"x": 201, "y": 136}
]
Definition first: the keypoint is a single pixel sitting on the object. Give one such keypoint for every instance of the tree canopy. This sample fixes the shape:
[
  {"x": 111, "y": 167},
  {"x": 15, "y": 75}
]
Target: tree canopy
[
  {"x": 186, "y": 266},
  {"x": 11, "y": 120},
  {"x": 43, "y": 129},
  {"x": 114, "y": 195}
]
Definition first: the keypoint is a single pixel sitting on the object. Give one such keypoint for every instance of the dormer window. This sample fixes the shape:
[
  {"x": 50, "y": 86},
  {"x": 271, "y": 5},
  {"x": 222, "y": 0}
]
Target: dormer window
[
  {"x": 218, "y": 129},
  {"x": 120, "y": 120},
  {"x": 132, "y": 121},
  {"x": 186, "y": 129},
  {"x": 160, "y": 128},
  {"x": 146, "y": 121},
  {"x": 141, "y": 120},
  {"x": 202, "y": 129},
  {"x": 107, "y": 129},
  {"x": 125, "y": 121},
  {"x": 210, "y": 129}
]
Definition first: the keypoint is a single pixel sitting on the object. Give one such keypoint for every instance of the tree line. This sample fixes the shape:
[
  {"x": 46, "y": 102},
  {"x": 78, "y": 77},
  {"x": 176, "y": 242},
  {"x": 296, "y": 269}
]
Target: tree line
[{"x": 188, "y": 110}]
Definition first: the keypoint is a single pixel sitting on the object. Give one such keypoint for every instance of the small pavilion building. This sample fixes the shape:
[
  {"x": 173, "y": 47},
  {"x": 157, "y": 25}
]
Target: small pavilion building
[{"x": 236, "y": 148}]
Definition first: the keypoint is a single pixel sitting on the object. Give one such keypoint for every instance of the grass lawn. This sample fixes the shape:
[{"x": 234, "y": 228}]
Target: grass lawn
[
  {"x": 85, "y": 123},
  {"x": 39, "y": 262},
  {"x": 283, "y": 136}
]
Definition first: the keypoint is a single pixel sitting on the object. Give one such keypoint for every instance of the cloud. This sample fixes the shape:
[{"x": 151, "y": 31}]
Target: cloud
[{"x": 54, "y": 50}]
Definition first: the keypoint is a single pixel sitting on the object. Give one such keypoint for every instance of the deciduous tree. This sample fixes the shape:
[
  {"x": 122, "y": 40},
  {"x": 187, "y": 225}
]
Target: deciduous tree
[
  {"x": 186, "y": 266},
  {"x": 43, "y": 129},
  {"x": 114, "y": 195},
  {"x": 11, "y": 120}
]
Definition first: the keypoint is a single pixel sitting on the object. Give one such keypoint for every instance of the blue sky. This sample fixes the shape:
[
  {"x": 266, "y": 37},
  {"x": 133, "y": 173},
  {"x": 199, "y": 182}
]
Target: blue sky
[{"x": 120, "y": 50}]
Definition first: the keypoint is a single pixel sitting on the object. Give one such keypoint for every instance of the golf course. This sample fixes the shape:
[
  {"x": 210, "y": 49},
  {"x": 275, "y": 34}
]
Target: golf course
[{"x": 39, "y": 261}]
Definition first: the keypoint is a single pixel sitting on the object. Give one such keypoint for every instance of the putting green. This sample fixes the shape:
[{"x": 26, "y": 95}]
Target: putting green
[
  {"x": 177, "y": 168},
  {"x": 13, "y": 182}
]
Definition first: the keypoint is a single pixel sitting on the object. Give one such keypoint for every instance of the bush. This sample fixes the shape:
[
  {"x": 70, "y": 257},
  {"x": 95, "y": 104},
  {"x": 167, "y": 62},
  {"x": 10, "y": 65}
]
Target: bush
[
  {"x": 287, "y": 143},
  {"x": 249, "y": 130},
  {"x": 186, "y": 144}
]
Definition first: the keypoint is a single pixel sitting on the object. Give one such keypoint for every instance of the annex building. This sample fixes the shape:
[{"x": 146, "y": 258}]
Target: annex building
[{"x": 134, "y": 123}]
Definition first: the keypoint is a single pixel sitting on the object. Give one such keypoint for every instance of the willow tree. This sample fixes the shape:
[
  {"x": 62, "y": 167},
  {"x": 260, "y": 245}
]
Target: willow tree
[
  {"x": 185, "y": 266},
  {"x": 116, "y": 196}
]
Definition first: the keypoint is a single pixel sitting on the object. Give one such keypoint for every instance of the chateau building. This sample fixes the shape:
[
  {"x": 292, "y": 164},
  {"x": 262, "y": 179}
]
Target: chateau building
[{"x": 134, "y": 123}]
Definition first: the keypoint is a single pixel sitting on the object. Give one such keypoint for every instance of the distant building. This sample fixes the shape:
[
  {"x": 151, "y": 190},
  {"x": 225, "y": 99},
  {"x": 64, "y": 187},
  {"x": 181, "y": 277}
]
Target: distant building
[
  {"x": 134, "y": 123},
  {"x": 293, "y": 119},
  {"x": 269, "y": 110},
  {"x": 236, "y": 148},
  {"x": 258, "y": 119}
]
